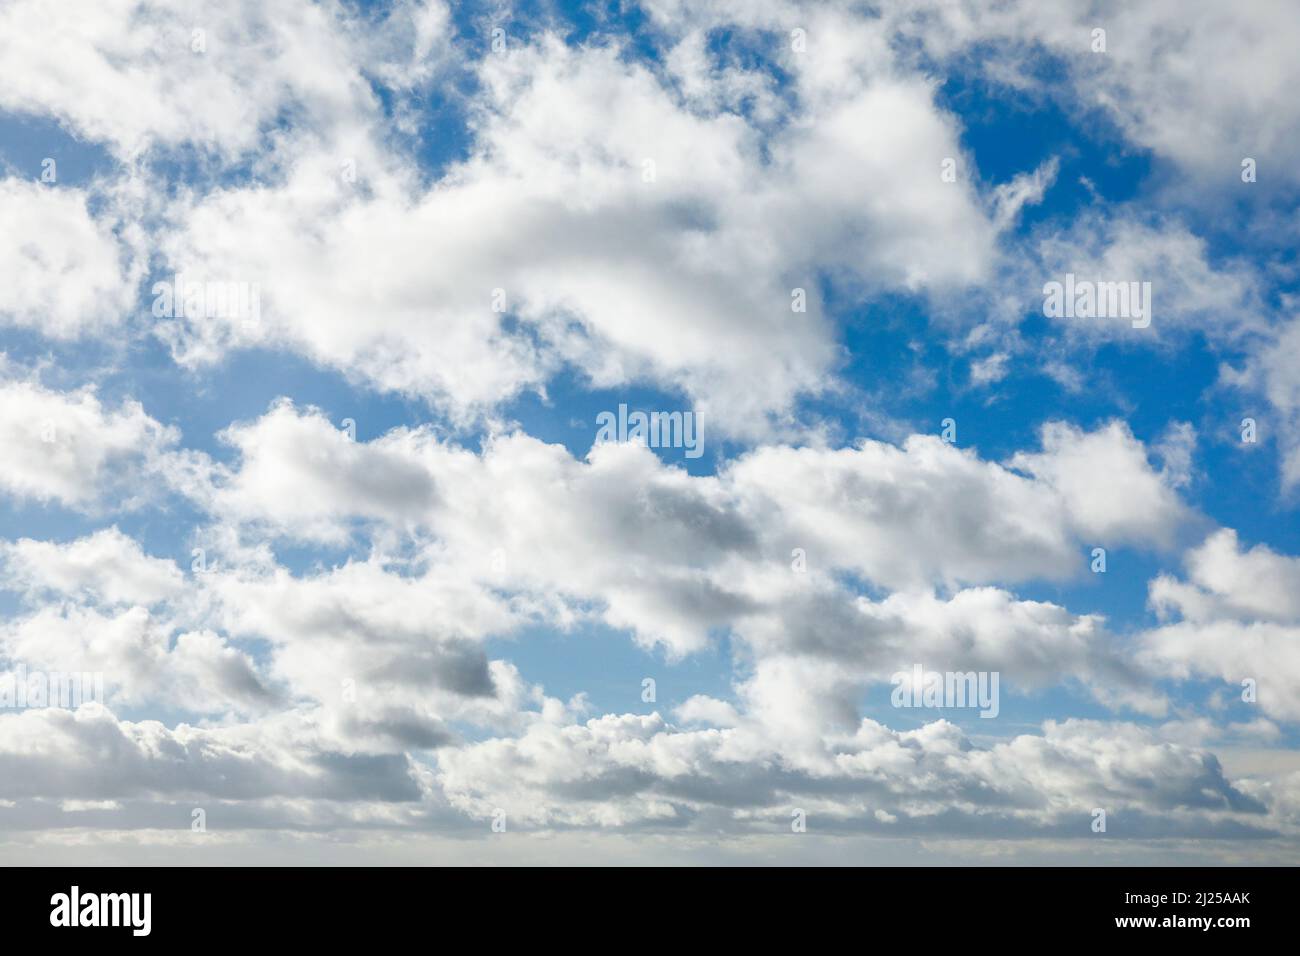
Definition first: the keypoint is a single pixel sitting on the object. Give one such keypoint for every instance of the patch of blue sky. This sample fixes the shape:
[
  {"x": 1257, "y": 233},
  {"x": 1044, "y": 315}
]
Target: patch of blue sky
[
  {"x": 567, "y": 415},
  {"x": 27, "y": 141},
  {"x": 1012, "y": 134},
  {"x": 609, "y": 667}
]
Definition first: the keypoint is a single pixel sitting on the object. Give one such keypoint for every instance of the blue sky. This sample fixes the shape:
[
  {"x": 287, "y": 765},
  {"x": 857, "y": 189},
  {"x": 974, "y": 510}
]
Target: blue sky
[{"x": 759, "y": 189}]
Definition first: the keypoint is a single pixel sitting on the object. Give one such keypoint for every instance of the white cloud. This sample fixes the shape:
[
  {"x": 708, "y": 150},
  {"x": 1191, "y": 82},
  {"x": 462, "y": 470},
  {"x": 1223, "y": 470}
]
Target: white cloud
[
  {"x": 300, "y": 472},
  {"x": 678, "y": 554},
  {"x": 1236, "y": 618},
  {"x": 625, "y": 770},
  {"x": 391, "y": 659},
  {"x": 63, "y": 272},
  {"x": 138, "y": 659},
  {"x": 107, "y": 566},
  {"x": 220, "y": 91},
  {"x": 67, "y": 447},
  {"x": 89, "y": 754},
  {"x": 643, "y": 546},
  {"x": 554, "y": 209},
  {"x": 1112, "y": 493},
  {"x": 1192, "y": 81},
  {"x": 1225, "y": 581},
  {"x": 1270, "y": 372},
  {"x": 1189, "y": 291}
]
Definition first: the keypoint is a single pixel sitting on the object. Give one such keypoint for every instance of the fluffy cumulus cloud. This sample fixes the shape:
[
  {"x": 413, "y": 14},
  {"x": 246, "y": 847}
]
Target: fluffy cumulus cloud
[
  {"x": 590, "y": 180},
  {"x": 299, "y": 351},
  {"x": 1236, "y": 618},
  {"x": 303, "y": 476},
  {"x": 138, "y": 662},
  {"x": 72, "y": 448},
  {"x": 107, "y": 567},
  {"x": 245, "y": 63},
  {"x": 681, "y": 554},
  {"x": 62, "y": 270}
]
